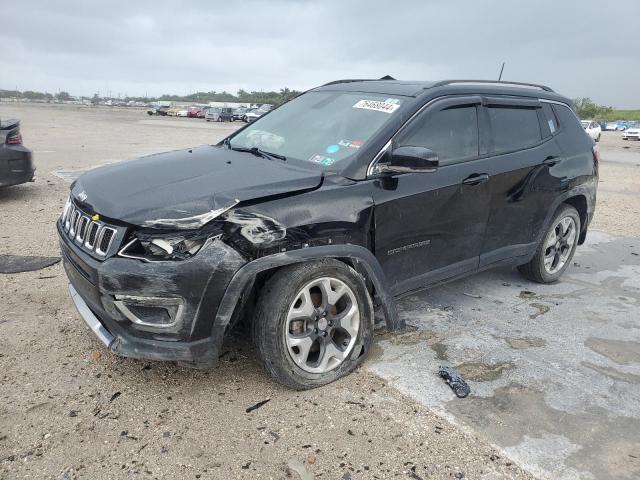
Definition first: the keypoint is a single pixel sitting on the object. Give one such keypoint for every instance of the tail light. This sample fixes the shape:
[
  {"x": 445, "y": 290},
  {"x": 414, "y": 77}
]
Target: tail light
[{"x": 14, "y": 138}]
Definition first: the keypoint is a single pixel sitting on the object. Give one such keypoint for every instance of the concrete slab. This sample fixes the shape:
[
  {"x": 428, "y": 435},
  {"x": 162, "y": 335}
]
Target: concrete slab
[{"x": 554, "y": 370}]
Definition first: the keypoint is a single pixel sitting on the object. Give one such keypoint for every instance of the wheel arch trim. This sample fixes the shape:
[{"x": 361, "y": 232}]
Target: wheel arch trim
[{"x": 245, "y": 277}]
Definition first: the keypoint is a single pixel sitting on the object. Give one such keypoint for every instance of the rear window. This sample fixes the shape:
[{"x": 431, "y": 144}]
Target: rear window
[{"x": 514, "y": 128}]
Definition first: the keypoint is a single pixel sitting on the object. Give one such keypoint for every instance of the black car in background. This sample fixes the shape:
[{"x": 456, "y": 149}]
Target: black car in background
[
  {"x": 16, "y": 162},
  {"x": 333, "y": 205},
  {"x": 162, "y": 110}
]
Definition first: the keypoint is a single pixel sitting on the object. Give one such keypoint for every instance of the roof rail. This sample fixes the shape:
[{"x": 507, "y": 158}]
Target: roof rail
[
  {"x": 492, "y": 82},
  {"x": 350, "y": 80}
]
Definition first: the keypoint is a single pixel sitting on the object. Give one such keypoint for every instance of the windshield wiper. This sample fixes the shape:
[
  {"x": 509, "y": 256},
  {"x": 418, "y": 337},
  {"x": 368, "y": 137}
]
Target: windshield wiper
[{"x": 257, "y": 151}]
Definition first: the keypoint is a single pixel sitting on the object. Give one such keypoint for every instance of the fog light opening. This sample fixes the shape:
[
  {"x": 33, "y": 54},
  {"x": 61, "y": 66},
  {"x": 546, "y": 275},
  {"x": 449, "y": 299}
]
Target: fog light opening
[{"x": 151, "y": 312}]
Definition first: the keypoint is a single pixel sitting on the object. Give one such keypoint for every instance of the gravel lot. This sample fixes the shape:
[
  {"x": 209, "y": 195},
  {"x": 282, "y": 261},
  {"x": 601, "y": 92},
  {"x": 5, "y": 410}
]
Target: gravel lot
[{"x": 69, "y": 409}]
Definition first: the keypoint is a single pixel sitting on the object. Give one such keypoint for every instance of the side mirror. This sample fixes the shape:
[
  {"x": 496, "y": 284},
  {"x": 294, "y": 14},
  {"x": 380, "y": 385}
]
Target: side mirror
[{"x": 410, "y": 160}]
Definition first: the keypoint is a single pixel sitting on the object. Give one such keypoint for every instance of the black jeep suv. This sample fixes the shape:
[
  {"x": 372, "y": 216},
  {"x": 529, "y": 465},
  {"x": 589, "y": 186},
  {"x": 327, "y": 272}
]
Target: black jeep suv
[{"x": 329, "y": 207}]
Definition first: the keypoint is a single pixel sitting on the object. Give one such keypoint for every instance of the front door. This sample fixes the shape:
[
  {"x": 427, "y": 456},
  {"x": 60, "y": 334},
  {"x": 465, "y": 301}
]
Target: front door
[{"x": 429, "y": 226}]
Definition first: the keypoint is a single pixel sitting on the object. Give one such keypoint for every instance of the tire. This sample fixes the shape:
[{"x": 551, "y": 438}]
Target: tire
[
  {"x": 536, "y": 270},
  {"x": 598, "y": 139},
  {"x": 276, "y": 315}
]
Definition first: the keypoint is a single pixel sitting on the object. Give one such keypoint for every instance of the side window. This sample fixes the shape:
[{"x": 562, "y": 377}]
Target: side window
[
  {"x": 452, "y": 133},
  {"x": 570, "y": 122},
  {"x": 552, "y": 121},
  {"x": 513, "y": 128}
]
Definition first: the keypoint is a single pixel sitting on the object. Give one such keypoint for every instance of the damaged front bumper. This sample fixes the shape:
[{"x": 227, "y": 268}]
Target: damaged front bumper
[{"x": 161, "y": 310}]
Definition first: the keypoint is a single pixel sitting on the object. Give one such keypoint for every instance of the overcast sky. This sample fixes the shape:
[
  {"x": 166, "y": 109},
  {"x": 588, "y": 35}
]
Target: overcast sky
[{"x": 578, "y": 47}]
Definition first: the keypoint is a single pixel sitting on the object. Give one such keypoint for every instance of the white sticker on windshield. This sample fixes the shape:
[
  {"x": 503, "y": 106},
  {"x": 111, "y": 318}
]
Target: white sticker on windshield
[{"x": 387, "y": 106}]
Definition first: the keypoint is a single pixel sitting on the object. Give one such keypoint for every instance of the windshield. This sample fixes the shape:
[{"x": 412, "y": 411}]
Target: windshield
[
  {"x": 320, "y": 127},
  {"x": 584, "y": 124}
]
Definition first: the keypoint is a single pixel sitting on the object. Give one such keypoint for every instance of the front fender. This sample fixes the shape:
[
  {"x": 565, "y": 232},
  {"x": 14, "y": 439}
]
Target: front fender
[{"x": 358, "y": 254}]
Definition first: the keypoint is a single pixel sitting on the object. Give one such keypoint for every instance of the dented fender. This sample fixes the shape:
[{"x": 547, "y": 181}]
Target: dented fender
[{"x": 358, "y": 254}]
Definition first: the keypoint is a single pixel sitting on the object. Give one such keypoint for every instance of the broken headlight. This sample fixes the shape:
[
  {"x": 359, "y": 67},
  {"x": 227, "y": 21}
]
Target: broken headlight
[{"x": 164, "y": 247}]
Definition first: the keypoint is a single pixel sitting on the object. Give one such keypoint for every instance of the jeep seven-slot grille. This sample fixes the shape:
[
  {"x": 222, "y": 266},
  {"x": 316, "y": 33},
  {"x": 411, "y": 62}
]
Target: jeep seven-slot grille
[{"x": 91, "y": 235}]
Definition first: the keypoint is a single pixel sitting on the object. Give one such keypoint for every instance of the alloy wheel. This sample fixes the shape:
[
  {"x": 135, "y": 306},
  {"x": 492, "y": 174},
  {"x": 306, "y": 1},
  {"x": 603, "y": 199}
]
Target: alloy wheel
[
  {"x": 559, "y": 244},
  {"x": 322, "y": 325}
]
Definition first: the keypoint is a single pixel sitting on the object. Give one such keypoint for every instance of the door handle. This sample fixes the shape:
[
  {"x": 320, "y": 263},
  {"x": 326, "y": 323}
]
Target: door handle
[
  {"x": 551, "y": 160},
  {"x": 476, "y": 179}
]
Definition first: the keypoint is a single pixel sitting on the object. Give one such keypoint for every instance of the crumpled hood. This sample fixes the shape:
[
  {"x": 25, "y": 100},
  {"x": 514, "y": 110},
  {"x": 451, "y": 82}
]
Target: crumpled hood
[{"x": 200, "y": 182}]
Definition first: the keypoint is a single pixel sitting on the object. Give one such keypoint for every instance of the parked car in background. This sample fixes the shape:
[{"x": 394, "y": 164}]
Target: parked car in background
[
  {"x": 238, "y": 113},
  {"x": 16, "y": 161},
  {"x": 632, "y": 133},
  {"x": 196, "y": 112},
  {"x": 219, "y": 114},
  {"x": 254, "y": 114},
  {"x": 162, "y": 110},
  {"x": 301, "y": 230},
  {"x": 592, "y": 128},
  {"x": 611, "y": 126},
  {"x": 182, "y": 113}
]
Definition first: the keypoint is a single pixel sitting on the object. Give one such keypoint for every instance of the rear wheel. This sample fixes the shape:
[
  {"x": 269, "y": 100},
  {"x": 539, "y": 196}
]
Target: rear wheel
[
  {"x": 556, "y": 249},
  {"x": 313, "y": 324}
]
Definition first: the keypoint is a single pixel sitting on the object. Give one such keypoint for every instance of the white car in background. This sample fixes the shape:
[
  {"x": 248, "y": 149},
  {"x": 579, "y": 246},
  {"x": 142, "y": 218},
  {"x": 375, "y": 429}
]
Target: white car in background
[
  {"x": 631, "y": 133},
  {"x": 611, "y": 126},
  {"x": 592, "y": 128},
  {"x": 182, "y": 113}
]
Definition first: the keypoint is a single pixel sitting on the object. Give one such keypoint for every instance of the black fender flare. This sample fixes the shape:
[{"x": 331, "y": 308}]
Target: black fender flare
[{"x": 362, "y": 257}]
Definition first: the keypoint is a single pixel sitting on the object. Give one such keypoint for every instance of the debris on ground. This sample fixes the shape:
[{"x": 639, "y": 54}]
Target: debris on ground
[
  {"x": 455, "y": 381},
  {"x": 472, "y": 295},
  {"x": 258, "y": 405},
  {"x": 114, "y": 396},
  {"x": 19, "y": 263},
  {"x": 527, "y": 294},
  {"x": 298, "y": 467}
]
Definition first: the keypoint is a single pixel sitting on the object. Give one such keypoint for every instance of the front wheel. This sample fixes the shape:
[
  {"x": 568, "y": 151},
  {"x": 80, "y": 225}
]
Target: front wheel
[
  {"x": 556, "y": 249},
  {"x": 313, "y": 324}
]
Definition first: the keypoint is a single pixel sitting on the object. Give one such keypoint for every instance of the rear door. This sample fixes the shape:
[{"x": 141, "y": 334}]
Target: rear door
[
  {"x": 523, "y": 155},
  {"x": 429, "y": 226}
]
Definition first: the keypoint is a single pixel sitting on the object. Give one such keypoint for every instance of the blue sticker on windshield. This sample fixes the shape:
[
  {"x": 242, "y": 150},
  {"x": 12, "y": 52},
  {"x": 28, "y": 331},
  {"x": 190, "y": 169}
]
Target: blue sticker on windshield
[
  {"x": 322, "y": 160},
  {"x": 332, "y": 148}
]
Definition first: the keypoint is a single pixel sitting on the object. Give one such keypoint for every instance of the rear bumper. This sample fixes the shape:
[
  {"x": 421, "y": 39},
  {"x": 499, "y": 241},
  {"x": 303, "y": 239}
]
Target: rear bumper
[{"x": 16, "y": 165}]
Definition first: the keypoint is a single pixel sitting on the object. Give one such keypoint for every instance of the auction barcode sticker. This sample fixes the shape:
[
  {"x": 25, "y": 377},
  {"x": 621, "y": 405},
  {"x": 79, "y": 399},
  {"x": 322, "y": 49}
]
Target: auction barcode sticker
[{"x": 378, "y": 106}]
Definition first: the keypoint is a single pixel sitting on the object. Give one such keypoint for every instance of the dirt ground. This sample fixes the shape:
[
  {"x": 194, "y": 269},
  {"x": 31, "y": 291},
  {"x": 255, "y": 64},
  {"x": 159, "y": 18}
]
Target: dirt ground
[
  {"x": 618, "y": 206},
  {"x": 69, "y": 409}
]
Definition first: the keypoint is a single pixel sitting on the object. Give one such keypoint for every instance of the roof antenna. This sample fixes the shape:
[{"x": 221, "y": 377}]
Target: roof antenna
[{"x": 501, "y": 70}]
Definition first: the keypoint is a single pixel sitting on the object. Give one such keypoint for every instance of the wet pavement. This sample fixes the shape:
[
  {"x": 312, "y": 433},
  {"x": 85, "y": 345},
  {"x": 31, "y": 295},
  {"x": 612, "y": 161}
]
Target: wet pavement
[
  {"x": 554, "y": 370},
  {"x": 617, "y": 156}
]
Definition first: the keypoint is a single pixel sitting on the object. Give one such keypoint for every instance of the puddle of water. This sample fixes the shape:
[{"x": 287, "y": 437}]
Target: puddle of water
[
  {"x": 483, "y": 372},
  {"x": 622, "y": 352},
  {"x": 523, "y": 343}
]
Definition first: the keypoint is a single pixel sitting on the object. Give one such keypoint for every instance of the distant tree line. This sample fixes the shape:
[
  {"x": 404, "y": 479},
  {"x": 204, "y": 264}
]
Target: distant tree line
[
  {"x": 242, "y": 96},
  {"x": 586, "y": 108},
  {"x": 273, "y": 97}
]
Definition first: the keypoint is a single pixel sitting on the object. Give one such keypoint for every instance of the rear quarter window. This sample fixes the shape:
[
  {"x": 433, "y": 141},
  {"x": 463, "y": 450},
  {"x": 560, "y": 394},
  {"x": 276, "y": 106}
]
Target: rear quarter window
[
  {"x": 513, "y": 128},
  {"x": 550, "y": 117},
  {"x": 570, "y": 124}
]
